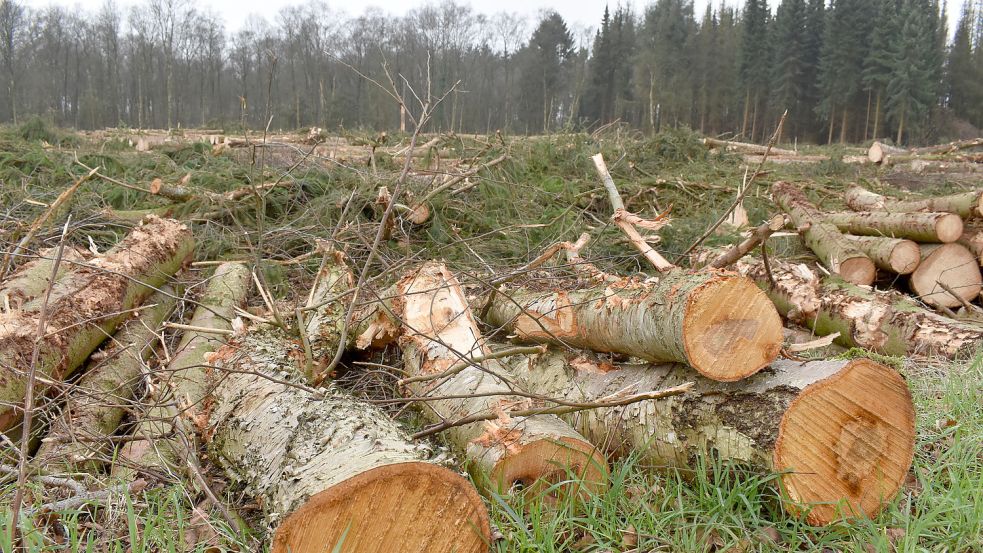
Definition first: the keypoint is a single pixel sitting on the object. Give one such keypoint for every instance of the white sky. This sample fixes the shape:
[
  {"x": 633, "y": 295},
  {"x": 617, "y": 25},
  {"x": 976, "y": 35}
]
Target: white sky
[{"x": 578, "y": 13}]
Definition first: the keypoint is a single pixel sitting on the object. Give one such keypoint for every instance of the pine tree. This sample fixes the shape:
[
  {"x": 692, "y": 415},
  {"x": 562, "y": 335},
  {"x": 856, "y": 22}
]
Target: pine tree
[
  {"x": 789, "y": 62},
  {"x": 911, "y": 89},
  {"x": 964, "y": 77},
  {"x": 845, "y": 44},
  {"x": 754, "y": 61},
  {"x": 879, "y": 63}
]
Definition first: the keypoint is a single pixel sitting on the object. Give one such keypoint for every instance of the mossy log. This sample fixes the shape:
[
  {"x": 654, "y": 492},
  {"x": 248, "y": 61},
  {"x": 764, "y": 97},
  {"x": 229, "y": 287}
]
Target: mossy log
[
  {"x": 921, "y": 227},
  {"x": 85, "y": 306},
  {"x": 328, "y": 469},
  {"x": 80, "y": 439},
  {"x": 715, "y": 321},
  {"x": 883, "y": 321},
  {"x": 184, "y": 385},
  {"x": 838, "y": 254},
  {"x": 439, "y": 330},
  {"x": 948, "y": 275},
  {"x": 31, "y": 279},
  {"x": 841, "y": 433},
  {"x": 968, "y": 205},
  {"x": 896, "y": 255}
]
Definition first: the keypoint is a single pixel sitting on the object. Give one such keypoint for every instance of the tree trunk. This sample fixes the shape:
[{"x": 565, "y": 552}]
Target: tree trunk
[
  {"x": 173, "y": 192},
  {"x": 883, "y": 321},
  {"x": 968, "y": 205},
  {"x": 185, "y": 384},
  {"x": 843, "y": 126},
  {"x": 896, "y": 255},
  {"x": 31, "y": 279},
  {"x": 840, "y": 432},
  {"x": 923, "y": 227},
  {"x": 946, "y": 265},
  {"x": 745, "y": 147},
  {"x": 716, "y": 322},
  {"x": 328, "y": 469},
  {"x": 759, "y": 235},
  {"x": 81, "y": 438},
  {"x": 439, "y": 330},
  {"x": 972, "y": 238},
  {"x": 877, "y": 116},
  {"x": 837, "y": 253},
  {"x": 86, "y": 306}
]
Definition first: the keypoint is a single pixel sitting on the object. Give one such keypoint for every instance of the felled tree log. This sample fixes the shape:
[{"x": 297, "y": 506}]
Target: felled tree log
[
  {"x": 878, "y": 151},
  {"x": 841, "y": 433},
  {"x": 972, "y": 239},
  {"x": 758, "y": 236},
  {"x": 891, "y": 254},
  {"x": 957, "y": 166},
  {"x": 882, "y": 321},
  {"x": 745, "y": 147},
  {"x": 31, "y": 279},
  {"x": 882, "y": 153},
  {"x": 80, "y": 438},
  {"x": 837, "y": 253},
  {"x": 175, "y": 192},
  {"x": 944, "y": 266},
  {"x": 967, "y": 205},
  {"x": 328, "y": 469},
  {"x": 184, "y": 384},
  {"x": 439, "y": 330},
  {"x": 924, "y": 227},
  {"x": 85, "y": 306},
  {"x": 717, "y": 322}
]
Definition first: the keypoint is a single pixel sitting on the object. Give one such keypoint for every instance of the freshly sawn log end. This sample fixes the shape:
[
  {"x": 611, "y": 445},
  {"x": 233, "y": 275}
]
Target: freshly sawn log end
[
  {"x": 391, "y": 505},
  {"x": 947, "y": 265},
  {"x": 858, "y": 270},
  {"x": 846, "y": 442}
]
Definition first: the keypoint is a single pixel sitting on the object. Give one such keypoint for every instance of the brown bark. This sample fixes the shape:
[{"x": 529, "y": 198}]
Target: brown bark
[
  {"x": 840, "y": 432},
  {"x": 31, "y": 279},
  {"x": 86, "y": 306},
  {"x": 714, "y": 321},
  {"x": 837, "y": 253},
  {"x": 439, "y": 330},
  {"x": 950, "y": 265},
  {"x": 883, "y": 321},
  {"x": 758, "y": 236}
]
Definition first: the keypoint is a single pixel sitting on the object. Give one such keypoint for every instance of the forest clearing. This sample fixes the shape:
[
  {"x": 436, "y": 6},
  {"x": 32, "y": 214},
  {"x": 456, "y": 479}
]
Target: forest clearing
[{"x": 299, "y": 341}]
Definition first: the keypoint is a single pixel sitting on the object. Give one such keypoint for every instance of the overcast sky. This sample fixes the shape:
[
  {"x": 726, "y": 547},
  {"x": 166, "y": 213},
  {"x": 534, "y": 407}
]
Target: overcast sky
[{"x": 577, "y": 12}]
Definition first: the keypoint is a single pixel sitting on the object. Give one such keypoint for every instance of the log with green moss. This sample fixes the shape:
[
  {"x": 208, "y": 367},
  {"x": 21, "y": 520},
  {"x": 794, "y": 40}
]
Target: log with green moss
[
  {"x": 921, "y": 227},
  {"x": 31, "y": 279},
  {"x": 837, "y": 253},
  {"x": 883, "y": 321},
  {"x": 85, "y": 307}
]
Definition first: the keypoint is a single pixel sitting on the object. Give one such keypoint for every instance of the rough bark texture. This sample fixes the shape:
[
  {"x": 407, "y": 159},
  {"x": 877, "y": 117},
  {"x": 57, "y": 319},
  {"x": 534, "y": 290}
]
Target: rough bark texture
[
  {"x": 715, "y": 321},
  {"x": 946, "y": 265},
  {"x": 185, "y": 381},
  {"x": 324, "y": 324},
  {"x": 922, "y": 227},
  {"x": 891, "y": 254},
  {"x": 438, "y": 331},
  {"x": 80, "y": 439},
  {"x": 86, "y": 305},
  {"x": 31, "y": 279},
  {"x": 745, "y": 147},
  {"x": 882, "y": 321},
  {"x": 838, "y": 254},
  {"x": 967, "y": 205},
  {"x": 329, "y": 469},
  {"x": 972, "y": 239},
  {"x": 840, "y": 432}
]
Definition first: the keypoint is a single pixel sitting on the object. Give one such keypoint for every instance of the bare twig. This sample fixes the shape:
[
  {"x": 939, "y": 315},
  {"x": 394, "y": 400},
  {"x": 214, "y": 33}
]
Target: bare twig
[
  {"x": 465, "y": 363},
  {"x": 758, "y": 236}
]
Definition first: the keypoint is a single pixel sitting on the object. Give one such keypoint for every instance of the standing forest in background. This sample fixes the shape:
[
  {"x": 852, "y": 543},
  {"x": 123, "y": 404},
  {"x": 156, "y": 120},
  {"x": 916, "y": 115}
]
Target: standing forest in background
[{"x": 846, "y": 70}]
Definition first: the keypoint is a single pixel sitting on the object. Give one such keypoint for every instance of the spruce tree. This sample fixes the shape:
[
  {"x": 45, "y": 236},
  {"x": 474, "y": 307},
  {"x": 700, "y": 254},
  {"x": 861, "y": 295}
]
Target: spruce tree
[
  {"x": 964, "y": 77},
  {"x": 911, "y": 89},
  {"x": 754, "y": 62},
  {"x": 879, "y": 63},
  {"x": 789, "y": 63}
]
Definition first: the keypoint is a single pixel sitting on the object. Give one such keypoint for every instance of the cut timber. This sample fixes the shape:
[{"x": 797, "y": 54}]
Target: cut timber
[
  {"x": 745, "y": 147},
  {"x": 81, "y": 438},
  {"x": 837, "y": 253},
  {"x": 31, "y": 279},
  {"x": 891, "y": 254},
  {"x": 952, "y": 265},
  {"x": 883, "y": 321},
  {"x": 882, "y": 153},
  {"x": 185, "y": 379},
  {"x": 841, "y": 433},
  {"x": 928, "y": 166},
  {"x": 438, "y": 331},
  {"x": 85, "y": 306},
  {"x": 972, "y": 238},
  {"x": 755, "y": 159},
  {"x": 328, "y": 469},
  {"x": 924, "y": 227},
  {"x": 717, "y": 322},
  {"x": 967, "y": 205},
  {"x": 878, "y": 151},
  {"x": 174, "y": 192}
]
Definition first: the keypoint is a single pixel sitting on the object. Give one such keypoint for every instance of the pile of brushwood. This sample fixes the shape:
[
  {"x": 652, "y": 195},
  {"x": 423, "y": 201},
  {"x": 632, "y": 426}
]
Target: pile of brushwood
[{"x": 122, "y": 368}]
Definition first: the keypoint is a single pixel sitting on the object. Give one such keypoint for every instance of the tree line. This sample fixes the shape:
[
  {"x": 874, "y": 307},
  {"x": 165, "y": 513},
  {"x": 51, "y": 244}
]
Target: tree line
[{"x": 846, "y": 70}]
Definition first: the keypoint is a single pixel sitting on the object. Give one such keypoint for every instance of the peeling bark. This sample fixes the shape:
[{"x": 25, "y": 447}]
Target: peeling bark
[
  {"x": 86, "y": 305},
  {"x": 715, "y": 321},
  {"x": 840, "y": 432}
]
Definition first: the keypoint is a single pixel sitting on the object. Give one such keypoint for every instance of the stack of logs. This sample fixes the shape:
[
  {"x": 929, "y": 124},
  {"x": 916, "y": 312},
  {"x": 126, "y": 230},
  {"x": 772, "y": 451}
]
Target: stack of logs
[{"x": 669, "y": 367}]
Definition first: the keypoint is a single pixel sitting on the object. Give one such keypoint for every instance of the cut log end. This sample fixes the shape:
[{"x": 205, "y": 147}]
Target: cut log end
[
  {"x": 390, "y": 505},
  {"x": 858, "y": 270},
  {"x": 949, "y": 264},
  {"x": 949, "y": 227},
  {"x": 546, "y": 463},
  {"x": 731, "y": 329},
  {"x": 905, "y": 257},
  {"x": 846, "y": 442}
]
